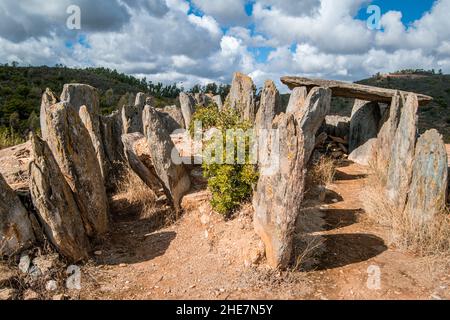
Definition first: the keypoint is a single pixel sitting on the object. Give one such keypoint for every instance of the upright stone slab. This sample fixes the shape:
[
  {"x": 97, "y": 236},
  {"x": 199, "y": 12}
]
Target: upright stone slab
[
  {"x": 389, "y": 124},
  {"x": 72, "y": 147},
  {"x": 146, "y": 173},
  {"x": 279, "y": 193},
  {"x": 270, "y": 106},
  {"x": 132, "y": 119},
  {"x": 187, "y": 103},
  {"x": 48, "y": 99},
  {"x": 297, "y": 99},
  {"x": 364, "y": 125},
  {"x": 141, "y": 99},
  {"x": 172, "y": 118},
  {"x": 428, "y": 190},
  {"x": 242, "y": 96},
  {"x": 312, "y": 116},
  {"x": 55, "y": 204},
  {"x": 218, "y": 101},
  {"x": 16, "y": 232},
  {"x": 337, "y": 126},
  {"x": 86, "y": 102},
  {"x": 174, "y": 177},
  {"x": 402, "y": 154}
]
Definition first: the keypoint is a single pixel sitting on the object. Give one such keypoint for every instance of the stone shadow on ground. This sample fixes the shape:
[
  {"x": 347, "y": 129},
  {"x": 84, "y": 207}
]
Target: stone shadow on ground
[
  {"x": 346, "y": 249},
  {"x": 339, "y": 218},
  {"x": 342, "y": 176}
]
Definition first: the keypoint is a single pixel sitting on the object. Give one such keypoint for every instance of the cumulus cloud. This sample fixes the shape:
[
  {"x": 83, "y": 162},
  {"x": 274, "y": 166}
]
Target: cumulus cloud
[{"x": 199, "y": 41}]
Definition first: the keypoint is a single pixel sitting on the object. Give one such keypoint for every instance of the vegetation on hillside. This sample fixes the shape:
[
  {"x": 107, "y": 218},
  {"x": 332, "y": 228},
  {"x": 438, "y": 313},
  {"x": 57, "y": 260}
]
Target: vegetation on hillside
[{"x": 21, "y": 90}]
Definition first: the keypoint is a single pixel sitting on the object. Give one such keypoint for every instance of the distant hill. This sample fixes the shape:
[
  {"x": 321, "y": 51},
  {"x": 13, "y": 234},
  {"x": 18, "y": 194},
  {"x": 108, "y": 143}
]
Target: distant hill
[
  {"x": 21, "y": 90},
  {"x": 436, "y": 114}
]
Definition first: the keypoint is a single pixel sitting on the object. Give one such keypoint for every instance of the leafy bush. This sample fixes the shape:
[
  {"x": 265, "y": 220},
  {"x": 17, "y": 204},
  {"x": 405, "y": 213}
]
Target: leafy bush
[
  {"x": 230, "y": 184},
  {"x": 9, "y": 138}
]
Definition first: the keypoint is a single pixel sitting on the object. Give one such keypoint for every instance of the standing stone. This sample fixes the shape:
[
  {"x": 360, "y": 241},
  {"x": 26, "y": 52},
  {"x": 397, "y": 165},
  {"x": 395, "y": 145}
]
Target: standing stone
[
  {"x": 297, "y": 99},
  {"x": 132, "y": 119},
  {"x": 402, "y": 154},
  {"x": 145, "y": 172},
  {"x": 279, "y": 194},
  {"x": 218, "y": 101},
  {"x": 111, "y": 131},
  {"x": 48, "y": 99},
  {"x": 141, "y": 99},
  {"x": 389, "y": 124},
  {"x": 270, "y": 106},
  {"x": 86, "y": 102},
  {"x": 16, "y": 232},
  {"x": 364, "y": 125},
  {"x": 312, "y": 115},
  {"x": 55, "y": 204},
  {"x": 172, "y": 118},
  {"x": 72, "y": 147},
  {"x": 242, "y": 97},
  {"x": 337, "y": 126},
  {"x": 428, "y": 189},
  {"x": 174, "y": 177},
  {"x": 187, "y": 107}
]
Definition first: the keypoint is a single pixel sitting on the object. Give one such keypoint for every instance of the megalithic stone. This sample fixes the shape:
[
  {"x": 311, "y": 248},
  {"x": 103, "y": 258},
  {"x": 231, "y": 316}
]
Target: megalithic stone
[
  {"x": 16, "y": 232},
  {"x": 218, "y": 101},
  {"x": 402, "y": 154},
  {"x": 72, "y": 148},
  {"x": 389, "y": 124},
  {"x": 279, "y": 192},
  {"x": 132, "y": 119},
  {"x": 428, "y": 190},
  {"x": 86, "y": 102},
  {"x": 297, "y": 99},
  {"x": 242, "y": 96},
  {"x": 364, "y": 124},
  {"x": 174, "y": 177},
  {"x": 270, "y": 106},
  {"x": 141, "y": 99},
  {"x": 48, "y": 99},
  {"x": 187, "y": 103},
  {"x": 55, "y": 204},
  {"x": 312, "y": 116}
]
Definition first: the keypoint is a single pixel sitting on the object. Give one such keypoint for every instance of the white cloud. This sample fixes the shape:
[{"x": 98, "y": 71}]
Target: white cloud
[{"x": 165, "y": 40}]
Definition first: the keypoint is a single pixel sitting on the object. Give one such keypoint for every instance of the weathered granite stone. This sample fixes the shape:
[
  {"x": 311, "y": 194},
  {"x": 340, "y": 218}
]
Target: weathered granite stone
[
  {"x": 364, "y": 124},
  {"x": 336, "y": 126},
  {"x": 86, "y": 102},
  {"x": 312, "y": 115},
  {"x": 218, "y": 101},
  {"x": 140, "y": 166},
  {"x": 141, "y": 100},
  {"x": 297, "y": 99},
  {"x": 72, "y": 147},
  {"x": 48, "y": 99},
  {"x": 132, "y": 119},
  {"x": 16, "y": 232},
  {"x": 402, "y": 154},
  {"x": 389, "y": 124},
  {"x": 55, "y": 204},
  {"x": 172, "y": 118},
  {"x": 279, "y": 193},
  {"x": 242, "y": 96},
  {"x": 428, "y": 190},
  {"x": 187, "y": 103},
  {"x": 111, "y": 132},
  {"x": 174, "y": 177},
  {"x": 270, "y": 106}
]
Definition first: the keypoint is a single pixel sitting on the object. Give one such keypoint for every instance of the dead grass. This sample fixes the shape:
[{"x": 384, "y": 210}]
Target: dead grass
[
  {"x": 431, "y": 239},
  {"x": 136, "y": 193},
  {"x": 323, "y": 170}
]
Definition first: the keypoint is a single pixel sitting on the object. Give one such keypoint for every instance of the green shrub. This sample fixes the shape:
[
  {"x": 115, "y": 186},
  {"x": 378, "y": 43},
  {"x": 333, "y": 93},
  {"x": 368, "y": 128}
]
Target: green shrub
[
  {"x": 230, "y": 184},
  {"x": 9, "y": 138}
]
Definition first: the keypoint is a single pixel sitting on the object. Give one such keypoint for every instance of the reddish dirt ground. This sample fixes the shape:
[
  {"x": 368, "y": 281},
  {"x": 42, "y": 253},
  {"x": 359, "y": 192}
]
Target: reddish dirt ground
[{"x": 202, "y": 256}]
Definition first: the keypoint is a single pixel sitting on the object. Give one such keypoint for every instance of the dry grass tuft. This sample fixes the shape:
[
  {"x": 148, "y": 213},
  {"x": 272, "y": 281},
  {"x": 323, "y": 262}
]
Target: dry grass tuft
[
  {"x": 323, "y": 170},
  {"x": 425, "y": 239},
  {"x": 136, "y": 193}
]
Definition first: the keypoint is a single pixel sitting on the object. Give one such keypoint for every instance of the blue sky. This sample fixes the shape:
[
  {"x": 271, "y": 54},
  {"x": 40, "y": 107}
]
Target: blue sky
[{"x": 199, "y": 41}]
